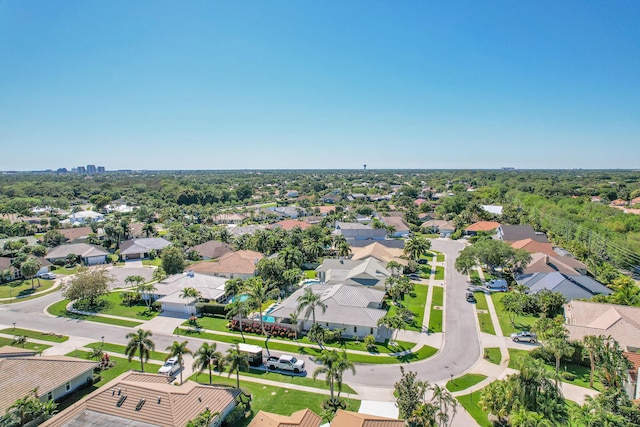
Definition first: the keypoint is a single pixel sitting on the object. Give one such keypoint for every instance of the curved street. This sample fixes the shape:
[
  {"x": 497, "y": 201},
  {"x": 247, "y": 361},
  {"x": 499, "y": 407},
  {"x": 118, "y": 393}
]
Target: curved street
[{"x": 459, "y": 352}]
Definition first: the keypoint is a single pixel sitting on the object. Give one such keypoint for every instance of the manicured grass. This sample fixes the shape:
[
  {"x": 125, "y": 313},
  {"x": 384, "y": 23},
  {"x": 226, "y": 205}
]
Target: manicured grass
[
  {"x": 115, "y": 307},
  {"x": 424, "y": 353},
  {"x": 439, "y": 273},
  {"x": 19, "y": 289},
  {"x": 60, "y": 309},
  {"x": 515, "y": 355},
  {"x": 435, "y": 316},
  {"x": 213, "y": 323},
  {"x": 157, "y": 262},
  {"x": 414, "y": 302},
  {"x": 481, "y": 301},
  {"x": 471, "y": 402},
  {"x": 521, "y": 322},
  {"x": 266, "y": 304},
  {"x": 474, "y": 274},
  {"x": 27, "y": 346},
  {"x": 120, "y": 349},
  {"x": 486, "y": 324},
  {"x": 464, "y": 382},
  {"x": 493, "y": 355},
  {"x": 307, "y": 381},
  {"x": 310, "y": 274},
  {"x": 64, "y": 270},
  {"x": 278, "y": 400},
  {"x": 439, "y": 256},
  {"x": 122, "y": 365},
  {"x": 45, "y": 336}
]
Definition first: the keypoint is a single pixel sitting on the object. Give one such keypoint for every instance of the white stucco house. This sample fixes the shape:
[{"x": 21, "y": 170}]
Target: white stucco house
[{"x": 168, "y": 291}]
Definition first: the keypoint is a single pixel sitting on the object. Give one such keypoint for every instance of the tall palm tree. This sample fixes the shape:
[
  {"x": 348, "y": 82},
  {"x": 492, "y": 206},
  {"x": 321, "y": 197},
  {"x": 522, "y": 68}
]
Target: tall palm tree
[
  {"x": 139, "y": 342},
  {"x": 148, "y": 229},
  {"x": 343, "y": 364},
  {"x": 179, "y": 349},
  {"x": 308, "y": 302},
  {"x": 237, "y": 360},
  {"x": 343, "y": 249},
  {"x": 206, "y": 357},
  {"x": 147, "y": 289},
  {"x": 29, "y": 269},
  {"x": 592, "y": 346},
  {"x": 233, "y": 287},
  {"x": 189, "y": 292},
  {"x": 445, "y": 402},
  {"x": 240, "y": 309},
  {"x": 416, "y": 246},
  {"x": 334, "y": 364},
  {"x": 394, "y": 267},
  {"x": 259, "y": 293}
]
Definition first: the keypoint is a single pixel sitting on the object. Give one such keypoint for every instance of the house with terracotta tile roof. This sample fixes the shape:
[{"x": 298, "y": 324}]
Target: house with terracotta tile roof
[
  {"x": 302, "y": 418},
  {"x": 590, "y": 318},
  {"x": 289, "y": 224},
  {"x": 147, "y": 400},
  {"x": 379, "y": 252},
  {"x": 473, "y": 229},
  {"x": 354, "y": 419},
  {"x": 53, "y": 376},
  {"x": 239, "y": 264},
  {"x": 633, "y": 386}
]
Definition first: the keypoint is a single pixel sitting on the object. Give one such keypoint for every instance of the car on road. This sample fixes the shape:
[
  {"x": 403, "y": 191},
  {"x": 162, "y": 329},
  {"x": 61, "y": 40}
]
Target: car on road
[
  {"x": 525, "y": 336},
  {"x": 471, "y": 297},
  {"x": 413, "y": 276},
  {"x": 47, "y": 276},
  {"x": 285, "y": 362},
  {"x": 170, "y": 367}
]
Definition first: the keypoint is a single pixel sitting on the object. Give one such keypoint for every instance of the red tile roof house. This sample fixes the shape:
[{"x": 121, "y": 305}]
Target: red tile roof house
[
  {"x": 240, "y": 264},
  {"x": 618, "y": 202},
  {"x": 290, "y": 224},
  {"x": 473, "y": 229}
]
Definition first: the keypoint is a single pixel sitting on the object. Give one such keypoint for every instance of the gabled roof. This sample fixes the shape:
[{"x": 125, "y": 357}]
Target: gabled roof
[
  {"x": 150, "y": 400},
  {"x": 210, "y": 287},
  {"x": 397, "y": 222},
  {"x": 589, "y": 318},
  {"x": 74, "y": 233},
  {"x": 302, "y": 418},
  {"x": 354, "y": 419},
  {"x": 533, "y": 246},
  {"x": 368, "y": 272},
  {"x": 213, "y": 249},
  {"x": 290, "y": 224},
  {"x": 543, "y": 263},
  {"x": 144, "y": 245},
  {"x": 380, "y": 252},
  {"x": 513, "y": 233},
  {"x": 84, "y": 250},
  {"x": 20, "y": 375},
  {"x": 571, "y": 287},
  {"x": 244, "y": 229},
  {"x": 240, "y": 262},
  {"x": 483, "y": 226}
]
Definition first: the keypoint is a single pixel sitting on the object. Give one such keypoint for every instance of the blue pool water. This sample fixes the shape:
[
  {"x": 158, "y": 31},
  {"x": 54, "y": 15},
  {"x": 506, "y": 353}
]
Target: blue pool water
[
  {"x": 268, "y": 319},
  {"x": 242, "y": 298}
]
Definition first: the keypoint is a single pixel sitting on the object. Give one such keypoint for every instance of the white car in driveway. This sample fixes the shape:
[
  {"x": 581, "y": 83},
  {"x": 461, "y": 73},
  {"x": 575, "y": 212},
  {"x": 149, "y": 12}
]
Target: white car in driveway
[{"x": 171, "y": 367}]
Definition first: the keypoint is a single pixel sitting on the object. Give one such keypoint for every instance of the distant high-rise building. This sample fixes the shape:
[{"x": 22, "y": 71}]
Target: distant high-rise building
[
  {"x": 62, "y": 170},
  {"x": 91, "y": 169},
  {"x": 101, "y": 169},
  {"x": 82, "y": 169}
]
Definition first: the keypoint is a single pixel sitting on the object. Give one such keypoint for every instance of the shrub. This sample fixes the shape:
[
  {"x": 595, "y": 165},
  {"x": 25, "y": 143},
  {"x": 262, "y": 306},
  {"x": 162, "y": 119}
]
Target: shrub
[
  {"x": 211, "y": 309},
  {"x": 568, "y": 376}
]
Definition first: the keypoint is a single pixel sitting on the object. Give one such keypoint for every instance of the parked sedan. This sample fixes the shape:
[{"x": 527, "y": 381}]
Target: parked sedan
[
  {"x": 524, "y": 336},
  {"x": 471, "y": 297},
  {"x": 47, "y": 276}
]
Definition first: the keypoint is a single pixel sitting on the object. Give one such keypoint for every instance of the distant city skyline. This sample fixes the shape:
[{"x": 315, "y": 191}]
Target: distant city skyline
[{"x": 209, "y": 85}]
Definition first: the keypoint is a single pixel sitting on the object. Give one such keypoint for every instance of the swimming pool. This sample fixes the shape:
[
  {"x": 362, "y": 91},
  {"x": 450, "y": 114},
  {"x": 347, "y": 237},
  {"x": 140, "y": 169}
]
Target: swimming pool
[{"x": 243, "y": 297}]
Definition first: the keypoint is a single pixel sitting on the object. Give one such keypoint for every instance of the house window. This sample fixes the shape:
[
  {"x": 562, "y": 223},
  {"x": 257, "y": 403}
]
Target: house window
[
  {"x": 371, "y": 331},
  {"x": 327, "y": 324},
  {"x": 67, "y": 386}
]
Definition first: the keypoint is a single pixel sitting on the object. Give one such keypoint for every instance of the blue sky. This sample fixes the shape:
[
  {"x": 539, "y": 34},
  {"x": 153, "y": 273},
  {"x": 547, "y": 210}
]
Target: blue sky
[{"x": 307, "y": 84}]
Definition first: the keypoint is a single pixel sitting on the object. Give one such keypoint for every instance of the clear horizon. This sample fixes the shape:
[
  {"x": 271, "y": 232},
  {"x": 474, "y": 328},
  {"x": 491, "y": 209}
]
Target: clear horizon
[{"x": 208, "y": 85}]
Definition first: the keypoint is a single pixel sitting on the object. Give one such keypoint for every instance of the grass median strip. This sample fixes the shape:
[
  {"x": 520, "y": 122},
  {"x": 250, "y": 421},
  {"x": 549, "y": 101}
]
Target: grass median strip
[
  {"x": 493, "y": 355},
  {"x": 120, "y": 349},
  {"x": 60, "y": 309},
  {"x": 471, "y": 402},
  {"x": 291, "y": 379},
  {"x": 27, "y": 345},
  {"x": 464, "y": 382},
  {"x": 435, "y": 316},
  {"x": 44, "y": 336}
]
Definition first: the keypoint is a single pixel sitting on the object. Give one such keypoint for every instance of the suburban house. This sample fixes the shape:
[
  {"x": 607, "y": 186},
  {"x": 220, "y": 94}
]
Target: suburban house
[
  {"x": 234, "y": 265},
  {"x": 78, "y": 234},
  {"x": 353, "y": 307},
  {"x": 400, "y": 226},
  {"x": 438, "y": 226},
  {"x": 5, "y": 265},
  {"x": 325, "y": 210},
  {"x": 212, "y": 249},
  {"x": 355, "y": 419},
  {"x": 53, "y": 376},
  {"x": 168, "y": 291},
  {"x": 292, "y": 212},
  {"x": 140, "y": 248},
  {"x": 229, "y": 218},
  {"x": 570, "y": 286},
  {"x": 484, "y": 226},
  {"x": 513, "y": 233},
  {"x": 492, "y": 209},
  {"x": 589, "y": 318},
  {"x": 357, "y": 231},
  {"x": 333, "y": 198},
  {"x": 240, "y": 230},
  {"x": 84, "y": 217},
  {"x": 365, "y": 272},
  {"x": 302, "y": 418},
  {"x": 387, "y": 243},
  {"x": 144, "y": 400},
  {"x": 89, "y": 254},
  {"x": 633, "y": 386},
  {"x": 379, "y": 252},
  {"x": 290, "y": 224},
  {"x": 10, "y": 351}
]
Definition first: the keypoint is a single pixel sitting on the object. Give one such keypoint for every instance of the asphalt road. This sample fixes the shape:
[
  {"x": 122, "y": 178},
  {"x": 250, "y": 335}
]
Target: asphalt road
[{"x": 460, "y": 350}]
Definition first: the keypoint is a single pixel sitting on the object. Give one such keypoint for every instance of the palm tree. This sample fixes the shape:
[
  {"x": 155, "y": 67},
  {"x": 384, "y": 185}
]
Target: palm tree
[
  {"x": 259, "y": 293},
  {"x": 524, "y": 418},
  {"x": 334, "y": 364},
  {"x": 135, "y": 281},
  {"x": 291, "y": 256},
  {"x": 148, "y": 229},
  {"x": 147, "y": 289},
  {"x": 416, "y": 246},
  {"x": 238, "y": 308},
  {"x": 445, "y": 402},
  {"x": 592, "y": 346},
  {"x": 343, "y": 249},
  {"x": 25, "y": 406},
  {"x": 190, "y": 292},
  {"x": 394, "y": 267},
  {"x": 139, "y": 342},
  {"x": 237, "y": 360},
  {"x": 159, "y": 274},
  {"x": 178, "y": 350},
  {"x": 29, "y": 269},
  {"x": 343, "y": 364},
  {"x": 309, "y": 301},
  {"x": 206, "y": 357},
  {"x": 204, "y": 419},
  {"x": 233, "y": 287}
]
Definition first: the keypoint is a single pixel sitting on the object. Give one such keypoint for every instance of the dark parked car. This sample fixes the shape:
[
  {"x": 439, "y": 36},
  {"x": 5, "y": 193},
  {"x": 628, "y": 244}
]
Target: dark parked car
[
  {"x": 471, "y": 297},
  {"x": 413, "y": 276},
  {"x": 423, "y": 261}
]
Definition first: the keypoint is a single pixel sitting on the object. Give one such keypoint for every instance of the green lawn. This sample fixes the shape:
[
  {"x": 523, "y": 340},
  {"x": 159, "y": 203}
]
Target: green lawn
[
  {"x": 310, "y": 274},
  {"x": 278, "y": 400},
  {"x": 439, "y": 256},
  {"x": 64, "y": 270},
  {"x": 439, "y": 273},
  {"x": 115, "y": 307},
  {"x": 481, "y": 301},
  {"x": 307, "y": 381},
  {"x": 22, "y": 288},
  {"x": 157, "y": 262},
  {"x": 27, "y": 346},
  {"x": 515, "y": 355},
  {"x": 486, "y": 324},
  {"x": 464, "y": 382},
  {"x": 60, "y": 309},
  {"x": 435, "y": 316},
  {"x": 493, "y": 355},
  {"x": 471, "y": 402},
  {"x": 122, "y": 365},
  {"x": 414, "y": 302},
  {"x": 521, "y": 322},
  {"x": 474, "y": 274},
  {"x": 120, "y": 349},
  {"x": 45, "y": 336}
]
